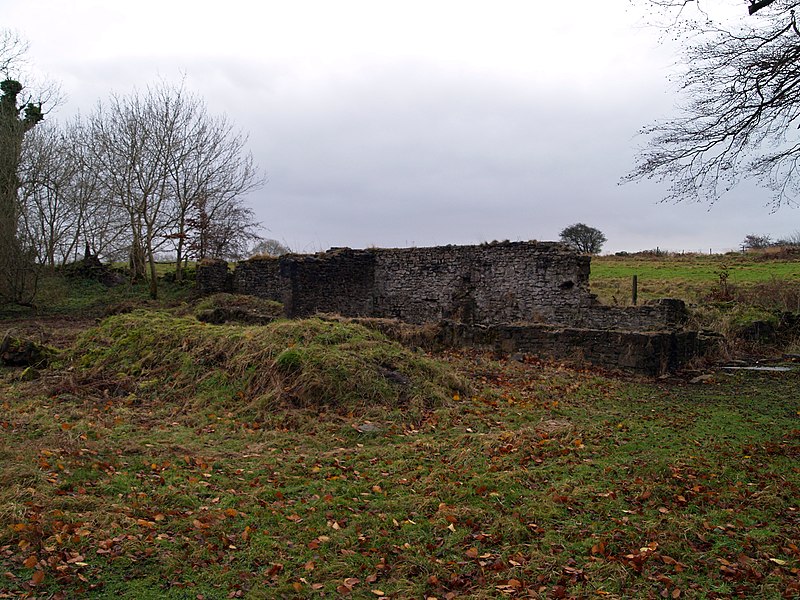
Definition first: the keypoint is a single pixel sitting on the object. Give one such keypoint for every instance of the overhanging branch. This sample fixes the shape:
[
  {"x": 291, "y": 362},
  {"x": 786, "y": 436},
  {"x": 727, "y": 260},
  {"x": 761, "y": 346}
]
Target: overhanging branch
[{"x": 756, "y": 5}]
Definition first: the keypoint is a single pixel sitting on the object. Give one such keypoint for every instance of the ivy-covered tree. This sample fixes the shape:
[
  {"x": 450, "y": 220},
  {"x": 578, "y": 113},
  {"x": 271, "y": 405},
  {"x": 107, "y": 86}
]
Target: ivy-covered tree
[{"x": 16, "y": 119}]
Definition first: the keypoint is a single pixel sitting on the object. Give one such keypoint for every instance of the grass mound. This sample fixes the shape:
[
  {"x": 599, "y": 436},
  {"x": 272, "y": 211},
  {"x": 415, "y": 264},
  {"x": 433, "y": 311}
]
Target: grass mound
[{"x": 304, "y": 363}]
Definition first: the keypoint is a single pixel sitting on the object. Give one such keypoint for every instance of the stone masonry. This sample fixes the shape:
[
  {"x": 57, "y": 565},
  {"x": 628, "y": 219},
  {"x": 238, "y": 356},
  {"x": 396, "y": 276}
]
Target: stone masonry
[{"x": 508, "y": 286}]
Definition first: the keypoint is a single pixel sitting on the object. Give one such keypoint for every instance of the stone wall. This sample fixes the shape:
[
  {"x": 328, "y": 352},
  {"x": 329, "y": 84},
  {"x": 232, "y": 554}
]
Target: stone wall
[
  {"x": 339, "y": 281},
  {"x": 650, "y": 353},
  {"x": 511, "y": 296},
  {"x": 654, "y": 315},
  {"x": 212, "y": 277},
  {"x": 490, "y": 283},
  {"x": 261, "y": 277}
]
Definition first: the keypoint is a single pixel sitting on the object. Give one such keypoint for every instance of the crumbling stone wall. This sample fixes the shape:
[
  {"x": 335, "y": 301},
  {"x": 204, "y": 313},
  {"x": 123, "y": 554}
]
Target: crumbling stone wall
[
  {"x": 339, "y": 281},
  {"x": 490, "y": 283},
  {"x": 212, "y": 277},
  {"x": 512, "y": 296},
  {"x": 262, "y": 277},
  {"x": 655, "y": 315},
  {"x": 648, "y": 352}
]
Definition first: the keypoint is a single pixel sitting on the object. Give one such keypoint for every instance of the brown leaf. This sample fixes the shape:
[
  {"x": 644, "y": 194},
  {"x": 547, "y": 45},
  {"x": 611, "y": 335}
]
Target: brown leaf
[
  {"x": 309, "y": 566},
  {"x": 31, "y": 561},
  {"x": 343, "y": 590},
  {"x": 37, "y": 578},
  {"x": 472, "y": 553}
]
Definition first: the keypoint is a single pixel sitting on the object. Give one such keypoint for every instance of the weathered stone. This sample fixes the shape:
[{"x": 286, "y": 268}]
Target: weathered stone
[
  {"x": 514, "y": 297},
  {"x": 18, "y": 352}
]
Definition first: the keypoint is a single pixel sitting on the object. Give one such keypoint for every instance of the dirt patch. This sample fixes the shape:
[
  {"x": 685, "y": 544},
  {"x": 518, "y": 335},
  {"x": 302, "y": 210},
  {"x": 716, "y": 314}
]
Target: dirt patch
[
  {"x": 553, "y": 427},
  {"x": 59, "y": 332}
]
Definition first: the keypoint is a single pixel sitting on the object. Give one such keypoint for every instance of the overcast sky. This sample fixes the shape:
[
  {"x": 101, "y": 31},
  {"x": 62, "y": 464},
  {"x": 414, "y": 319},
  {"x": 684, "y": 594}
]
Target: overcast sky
[{"x": 411, "y": 123}]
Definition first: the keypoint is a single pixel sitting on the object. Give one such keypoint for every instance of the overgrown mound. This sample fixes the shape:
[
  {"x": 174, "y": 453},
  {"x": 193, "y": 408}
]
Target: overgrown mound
[{"x": 306, "y": 363}]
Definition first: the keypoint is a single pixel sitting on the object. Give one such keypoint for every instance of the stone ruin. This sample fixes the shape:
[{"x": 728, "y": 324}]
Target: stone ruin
[{"x": 530, "y": 297}]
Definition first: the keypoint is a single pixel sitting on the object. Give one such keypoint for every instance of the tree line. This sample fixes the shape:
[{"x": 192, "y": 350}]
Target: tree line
[{"x": 146, "y": 173}]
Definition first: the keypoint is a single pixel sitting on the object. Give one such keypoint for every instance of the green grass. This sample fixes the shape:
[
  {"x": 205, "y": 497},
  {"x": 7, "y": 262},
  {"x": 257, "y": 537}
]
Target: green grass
[
  {"x": 59, "y": 296},
  {"x": 545, "y": 482},
  {"x": 689, "y": 277}
]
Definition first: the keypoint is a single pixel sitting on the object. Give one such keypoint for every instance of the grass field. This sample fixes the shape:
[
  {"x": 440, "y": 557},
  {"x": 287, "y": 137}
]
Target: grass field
[
  {"x": 543, "y": 482},
  {"x": 159, "y": 457},
  {"x": 689, "y": 277}
]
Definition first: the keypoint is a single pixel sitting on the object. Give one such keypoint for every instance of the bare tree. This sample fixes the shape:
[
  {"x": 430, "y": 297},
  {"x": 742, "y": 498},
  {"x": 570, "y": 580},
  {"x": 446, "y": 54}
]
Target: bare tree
[
  {"x": 50, "y": 219},
  {"x": 755, "y": 241},
  {"x": 741, "y": 82},
  {"x": 210, "y": 173},
  {"x": 12, "y": 52},
  {"x": 172, "y": 168},
  {"x": 131, "y": 137}
]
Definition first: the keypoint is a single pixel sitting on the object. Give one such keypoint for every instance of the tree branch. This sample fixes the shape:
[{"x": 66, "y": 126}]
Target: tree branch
[{"x": 756, "y": 5}]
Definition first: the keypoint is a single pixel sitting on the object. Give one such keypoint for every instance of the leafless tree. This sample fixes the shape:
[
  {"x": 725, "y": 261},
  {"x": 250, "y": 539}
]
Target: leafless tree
[
  {"x": 172, "y": 169},
  {"x": 210, "y": 172},
  {"x": 741, "y": 83},
  {"x": 270, "y": 247},
  {"x": 49, "y": 219},
  {"x": 12, "y": 53},
  {"x": 131, "y": 137},
  {"x": 63, "y": 208}
]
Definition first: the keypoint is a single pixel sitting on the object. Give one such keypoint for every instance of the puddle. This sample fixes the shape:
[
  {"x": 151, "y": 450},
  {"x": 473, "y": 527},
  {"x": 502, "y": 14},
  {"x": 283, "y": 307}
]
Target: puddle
[{"x": 773, "y": 369}]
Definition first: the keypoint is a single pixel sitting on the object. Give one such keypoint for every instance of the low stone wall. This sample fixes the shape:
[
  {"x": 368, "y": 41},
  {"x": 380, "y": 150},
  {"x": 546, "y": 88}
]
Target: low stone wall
[
  {"x": 655, "y": 315},
  {"x": 650, "y": 353}
]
